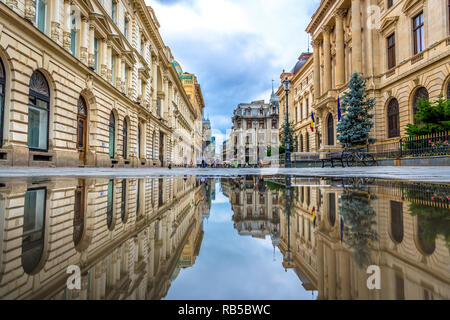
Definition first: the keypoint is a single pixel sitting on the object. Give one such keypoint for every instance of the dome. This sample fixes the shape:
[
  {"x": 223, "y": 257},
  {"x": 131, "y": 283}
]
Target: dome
[{"x": 301, "y": 61}]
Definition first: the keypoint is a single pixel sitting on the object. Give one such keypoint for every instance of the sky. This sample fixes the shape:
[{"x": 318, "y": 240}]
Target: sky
[{"x": 235, "y": 47}]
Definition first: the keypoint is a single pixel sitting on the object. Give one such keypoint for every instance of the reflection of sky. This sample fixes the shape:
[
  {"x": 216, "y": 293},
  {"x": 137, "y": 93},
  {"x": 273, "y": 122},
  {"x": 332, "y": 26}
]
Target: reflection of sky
[{"x": 233, "y": 267}]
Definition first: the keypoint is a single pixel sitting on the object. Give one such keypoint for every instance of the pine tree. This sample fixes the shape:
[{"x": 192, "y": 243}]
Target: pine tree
[
  {"x": 430, "y": 117},
  {"x": 356, "y": 122},
  {"x": 287, "y": 135}
]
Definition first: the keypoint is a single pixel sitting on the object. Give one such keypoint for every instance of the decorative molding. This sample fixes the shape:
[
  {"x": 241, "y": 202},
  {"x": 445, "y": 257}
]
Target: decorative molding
[
  {"x": 30, "y": 10},
  {"x": 66, "y": 40},
  {"x": 55, "y": 30},
  {"x": 387, "y": 25}
]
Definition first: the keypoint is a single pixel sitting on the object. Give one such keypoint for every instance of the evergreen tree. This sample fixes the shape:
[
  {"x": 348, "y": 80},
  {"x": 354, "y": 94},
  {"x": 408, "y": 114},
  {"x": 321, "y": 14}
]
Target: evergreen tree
[
  {"x": 359, "y": 219},
  {"x": 356, "y": 122},
  {"x": 287, "y": 135},
  {"x": 430, "y": 117}
]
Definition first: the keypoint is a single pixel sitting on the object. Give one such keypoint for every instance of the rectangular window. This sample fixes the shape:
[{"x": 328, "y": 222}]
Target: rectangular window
[
  {"x": 249, "y": 124},
  {"x": 390, "y": 3},
  {"x": 95, "y": 54},
  {"x": 37, "y": 124},
  {"x": 391, "y": 51},
  {"x": 34, "y": 213},
  {"x": 73, "y": 42},
  {"x": 41, "y": 14},
  {"x": 113, "y": 10},
  {"x": 418, "y": 33},
  {"x": 125, "y": 28},
  {"x": 261, "y": 124}
]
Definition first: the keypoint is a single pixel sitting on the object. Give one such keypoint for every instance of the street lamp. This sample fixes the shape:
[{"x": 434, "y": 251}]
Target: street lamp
[{"x": 287, "y": 86}]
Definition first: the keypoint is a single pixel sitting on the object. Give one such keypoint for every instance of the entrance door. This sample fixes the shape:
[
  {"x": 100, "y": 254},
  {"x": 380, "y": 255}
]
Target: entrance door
[
  {"x": 161, "y": 148},
  {"x": 81, "y": 130}
]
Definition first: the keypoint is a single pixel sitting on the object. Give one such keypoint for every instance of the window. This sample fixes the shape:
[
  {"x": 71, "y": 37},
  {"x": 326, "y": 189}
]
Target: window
[
  {"x": 274, "y": 124},
  {"x": 393, "y": 119},
  {"x": 73, "y": 38},
  {"x": 138, "y": 196},
  {"x": 391, "y": 51},
  {"x": 78, "y": 217},
  {"x": 308, "y": 196},
  {"x": 125, "y": 28},
  {"x": 296, "y": 114},
  {"x": 301, "y": 143},
  {"x": 426, "y": 243},
  {"x": 332, "y": 208},
  {"x": 249, "y": 198},
  {"x": 113, "y": 10},
  {"x": 249, "y": 124},
  {"x": 390, "y": 3},
  {"x": 421, "y": 93},
  {"x": 96, "y": 54},
  {"x": 261, "y": 124},
  {"x": 397, "y": 221},
  {"x": 307, "y": 142},
  {"x": 123, "y": 203},
  {"x": 82, "y": 119},
  {"x": 112, "y": 134},
  {"x": 38, "y": 112},
  {"x": 125, "y": 139},
  {"x": 418, "y": 33},
  {"x": 239, "y": 124},
  {"x": 41, "y": 15},
  {"x": 2, "y": 99},
  {"x": 330, "y": 129},
  {"x": 33, "y": 228},
  {"x": 110, "y": 205},
  {"x": 113, "y": 67}
]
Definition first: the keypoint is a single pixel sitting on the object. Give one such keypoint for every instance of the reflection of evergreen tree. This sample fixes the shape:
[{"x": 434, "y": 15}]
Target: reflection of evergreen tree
[
  {"x": 433, "y": 221},
  {"x": 359, "y": 219}
]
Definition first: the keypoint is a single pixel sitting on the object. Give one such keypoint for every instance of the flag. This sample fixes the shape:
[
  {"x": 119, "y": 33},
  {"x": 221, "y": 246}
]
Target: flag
[
  {"x": 339, "y": 109},
  {"x": 342, "y": 229},
  {"x": 314, "y": 216},
  {"x": 312, "y": 121}
]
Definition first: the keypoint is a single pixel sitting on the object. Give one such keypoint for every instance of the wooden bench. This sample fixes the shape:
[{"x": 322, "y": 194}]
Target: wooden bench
[{"x": 332, "y": 156}]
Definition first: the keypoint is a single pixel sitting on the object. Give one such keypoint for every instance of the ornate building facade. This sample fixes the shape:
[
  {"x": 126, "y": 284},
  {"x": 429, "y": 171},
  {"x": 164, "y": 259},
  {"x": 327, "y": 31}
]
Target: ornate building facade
[
  {"x": 87, "y": 83},
  {"x": 401, "y": 47},
  {"x": 254, "y": 131},
  {"x": 127, "y": 236}
]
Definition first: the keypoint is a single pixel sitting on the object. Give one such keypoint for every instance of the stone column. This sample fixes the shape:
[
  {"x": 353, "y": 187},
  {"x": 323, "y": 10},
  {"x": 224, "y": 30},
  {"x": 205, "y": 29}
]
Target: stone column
[
  {"x": 66, "y": 25},
  {"x": 84, "y": 40},
  {"x": 340, "y": 54},
  {"x": 91, "y": 45},
  {"x": 356, "y": 37},
  {"x": 326, "y": 58},
  {"x": 316, "y": 44},
  {"x": 55, "y": 25}
]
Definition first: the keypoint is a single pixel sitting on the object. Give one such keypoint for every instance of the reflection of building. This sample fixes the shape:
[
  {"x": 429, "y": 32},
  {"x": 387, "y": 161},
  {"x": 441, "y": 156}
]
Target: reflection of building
[
  {"x": 255, "y": 129},
  {"x": 127, "y": 236},
  {"x": 255, "y": 207},
  {"x": 401, "y": 47},
  {"x": 412, "y": 267},
  {"x": 97, "y": 86},
  {"x": 209, "y": 142}
]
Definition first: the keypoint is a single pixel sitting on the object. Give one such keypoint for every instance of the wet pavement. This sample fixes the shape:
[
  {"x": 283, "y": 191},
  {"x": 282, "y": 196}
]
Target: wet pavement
[{"x": 211, "y": 234}]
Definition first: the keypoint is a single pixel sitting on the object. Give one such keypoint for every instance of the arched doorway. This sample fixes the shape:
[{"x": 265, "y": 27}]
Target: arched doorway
[
  {"x": 81, "y": 129},
  {"x": 38, "y": 112},
  {"x": 2, "y": 100},
  {"x": 393, "y": 119},
  {"x": 421, "y": 93},
  {"x": 112, "y": 135},
  {"x": 330, "y": 130}
]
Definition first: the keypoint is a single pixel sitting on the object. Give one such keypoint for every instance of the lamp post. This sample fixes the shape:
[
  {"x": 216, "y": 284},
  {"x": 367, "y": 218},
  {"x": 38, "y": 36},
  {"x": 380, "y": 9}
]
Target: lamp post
[{"x": 287, "y": 86}]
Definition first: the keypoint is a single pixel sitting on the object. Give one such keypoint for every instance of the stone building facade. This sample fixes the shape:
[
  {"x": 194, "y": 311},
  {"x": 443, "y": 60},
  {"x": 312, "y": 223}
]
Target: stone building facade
[
  {"x": 401, "y": 47},
  {"x": 87, "y": 84},
  {"x": 412, "y": 267},
  {"x": 125, "y": 235},
  {"x": 255, "y": 129}
]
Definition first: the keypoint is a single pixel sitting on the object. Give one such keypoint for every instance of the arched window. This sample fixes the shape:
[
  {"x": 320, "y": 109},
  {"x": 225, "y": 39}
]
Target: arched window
[
  {"x": 397, "y": 221},
  {"x": 82, "y": 119},
  {"x": 393, "y": 119},
  {"x": 301, "y": 143},
  {"x": 448, "y": 90},
  {"x": 420, "y": 93},
  {"x": 426, "y": 245},
  {"x": 332, "y": 208},
  {"x": 38, "y": 112},
  {"x": 330, "y": 130},
  {"x": 125, "y": 139},
  {"x": 78, "y": 217},
  {"x": 33, "y": 229},
  {"x": 123, "y": 204},
  {"x": 2, "y": 99},
  {"x": 112, "y": 134},
  {"x": 110, "y": 205}
]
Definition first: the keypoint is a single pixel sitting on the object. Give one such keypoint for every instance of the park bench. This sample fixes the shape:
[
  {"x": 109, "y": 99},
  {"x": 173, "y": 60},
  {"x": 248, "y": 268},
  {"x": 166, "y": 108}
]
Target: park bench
[{"x": 332, "y": 156}]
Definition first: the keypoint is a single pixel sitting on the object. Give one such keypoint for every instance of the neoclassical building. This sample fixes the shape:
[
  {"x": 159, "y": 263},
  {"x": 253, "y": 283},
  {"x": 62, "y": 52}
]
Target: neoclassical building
[
  {"x": 400, "y": 46},
  {"x": 255, "y": 129},
  {"x": 412, "y": 266},
  {"x": 87, "y": 83},
  {"x": 127, "y": 236}
]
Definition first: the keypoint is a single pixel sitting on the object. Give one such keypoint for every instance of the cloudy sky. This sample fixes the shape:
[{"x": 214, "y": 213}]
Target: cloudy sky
[{"x": 235, "y": 47}]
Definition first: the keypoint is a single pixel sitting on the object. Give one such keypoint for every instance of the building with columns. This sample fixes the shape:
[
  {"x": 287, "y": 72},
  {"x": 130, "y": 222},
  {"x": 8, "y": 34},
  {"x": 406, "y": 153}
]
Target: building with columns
[
  {"x": 401, "y": 47},
  {"x": 87, "y": 83}
]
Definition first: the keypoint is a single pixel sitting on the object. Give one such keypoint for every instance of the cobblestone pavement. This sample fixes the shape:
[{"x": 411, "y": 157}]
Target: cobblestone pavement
[{"x": 431, "y": 174}]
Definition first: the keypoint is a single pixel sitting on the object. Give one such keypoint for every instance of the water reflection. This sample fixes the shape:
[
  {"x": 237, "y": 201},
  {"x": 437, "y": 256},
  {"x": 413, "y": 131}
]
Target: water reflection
[{"x": 132, "y": 238}]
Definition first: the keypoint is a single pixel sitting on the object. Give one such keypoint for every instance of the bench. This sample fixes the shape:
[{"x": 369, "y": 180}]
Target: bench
[{"x": 332, "y": 156}]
